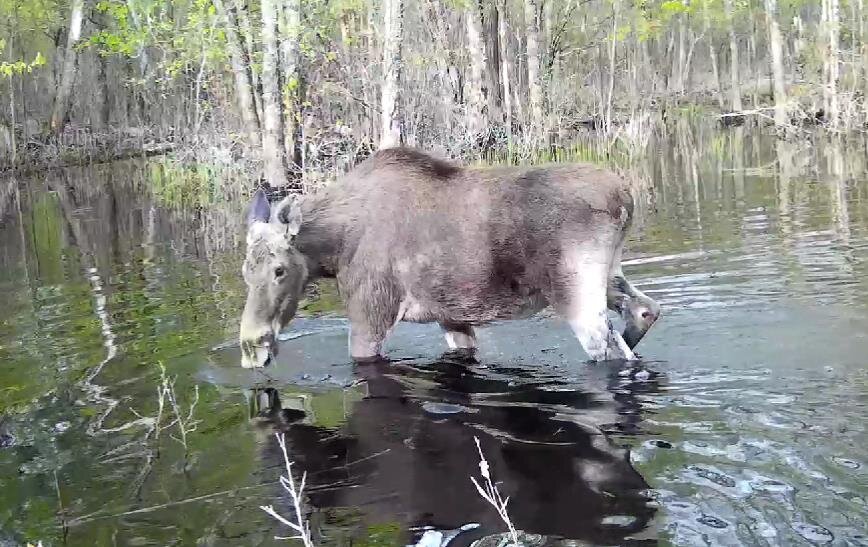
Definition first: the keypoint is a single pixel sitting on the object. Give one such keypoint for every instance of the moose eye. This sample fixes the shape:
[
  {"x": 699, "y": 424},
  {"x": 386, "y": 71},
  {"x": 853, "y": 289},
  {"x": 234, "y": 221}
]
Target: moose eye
[{"x": 279, "y": 271}]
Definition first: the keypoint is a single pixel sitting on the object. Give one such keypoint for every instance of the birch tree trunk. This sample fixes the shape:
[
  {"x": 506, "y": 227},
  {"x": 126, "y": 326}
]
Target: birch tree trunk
[
  {"x": 67, "y": 77},
  {"x": 531, "y": 16},
  {"x": 610, "y": 96},
  {"x": 101, "y": 96},
  {"x": 712, "y": 54},
  {"x": 248, "y": 48},
  {"x": 372, "y": 58},
  {"x": 681, "y": 58},
  {"x": 241, "y": 74},
  {"x": 476, "y": 111},
  {"x": 272, "y": 133},
  {"x": 393, "y": 36},
  {"x": 141, "y": 50},
  {"x": 688, "y": 63},
  {"x": 831, "y": 21},
  {"x": 546, "y": 43},
  {"x": 753, "y": 63},
  {"x": 503, "y": 35},
  {"x": 777, "y": 55},
  {"x": 491, "y": 39},
  {"x": 734, "y": 85},
  {"x": 863, "y": 52},
  {"x": 444, "y": 63},
  {"x": 290, "y": 25},
  {"x": 13, "y": 142}
]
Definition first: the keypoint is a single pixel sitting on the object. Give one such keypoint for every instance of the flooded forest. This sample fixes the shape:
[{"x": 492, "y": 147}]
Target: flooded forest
[{"x": 133, "y": 133}]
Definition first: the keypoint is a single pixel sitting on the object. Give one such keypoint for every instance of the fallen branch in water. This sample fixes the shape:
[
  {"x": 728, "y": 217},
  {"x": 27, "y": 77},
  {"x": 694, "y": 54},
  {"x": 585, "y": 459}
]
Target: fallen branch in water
[
  {"x": 492, "y": 495},
  {"x": 761, "y": 112},
  {"x": 302, "y": 528},
  {"x": 37, "y": 160},
  {"x": 166, "y": 392},
  {"x": 102, "y": 515}
]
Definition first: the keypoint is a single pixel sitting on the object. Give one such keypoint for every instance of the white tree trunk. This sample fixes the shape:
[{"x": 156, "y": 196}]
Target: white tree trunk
[
  {"x": 712, "y": 54},
  {"x": 289, "y": 26},
  {"x": 491, "y": 42},
  {"x": 443, "y": 59},
  {"x": 776, "y": 47},
  {"x": 610, "y": 97},
  {"x": 476, "y": 111},
  {"x": 503, "y": 35},
  {"x": 241, "y": 73},
  {"x": 393, "y": 36},
  {"x": 831, "y": 22},
  {"x": 863, "y": 53},
  {"x": 531, "y": 21},
  {"x": 272, "y": 134},
  {"x": 248, "y": 48},
  {"x": 681, "y": 59},
  {"x": 67, "y": 76},
  {"x": 734, "y": 84}
]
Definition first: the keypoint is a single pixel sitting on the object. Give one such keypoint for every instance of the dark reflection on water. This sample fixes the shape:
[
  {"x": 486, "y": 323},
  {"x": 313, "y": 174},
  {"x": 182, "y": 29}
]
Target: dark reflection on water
[
  {"x": 748, "y": 428},
  {"x": 406, "y": 453}
]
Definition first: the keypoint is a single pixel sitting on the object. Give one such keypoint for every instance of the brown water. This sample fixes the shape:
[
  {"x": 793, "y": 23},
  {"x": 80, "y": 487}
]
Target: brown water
[{"x": 745, "y": 424}]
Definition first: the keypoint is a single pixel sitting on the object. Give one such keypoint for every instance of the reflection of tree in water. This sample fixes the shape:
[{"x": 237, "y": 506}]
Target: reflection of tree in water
[
  {"x": 406, "y": 452},
  {"x": 110, "y": 285}
]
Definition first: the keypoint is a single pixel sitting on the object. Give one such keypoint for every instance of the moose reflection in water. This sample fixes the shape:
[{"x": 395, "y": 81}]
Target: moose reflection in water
[
  {"x": 413, "y": 238},
  {"x": 406, "y": 452}
]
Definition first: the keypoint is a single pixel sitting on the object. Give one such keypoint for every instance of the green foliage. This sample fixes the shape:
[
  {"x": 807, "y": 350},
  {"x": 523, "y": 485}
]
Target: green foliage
[
  {"x": 648, "y": 19},
  {"x": 327, "y": 300},
  {"x": 670, "y": 8},
  {"x": 15, "y": 68},
  {"x": 187, "y": 33},
  {"x": 459, "y": 4},
  {"x": 177, "y": 184},
  {"x": 381, "y": 534},
  {"x": 33, "y": 16},
  {"x": 21, "y": 67},
  {"x": 124, "y": 40}
]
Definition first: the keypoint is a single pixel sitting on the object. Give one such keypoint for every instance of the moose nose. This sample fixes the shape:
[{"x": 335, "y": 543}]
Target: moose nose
[{"x": 257, "y": 352}]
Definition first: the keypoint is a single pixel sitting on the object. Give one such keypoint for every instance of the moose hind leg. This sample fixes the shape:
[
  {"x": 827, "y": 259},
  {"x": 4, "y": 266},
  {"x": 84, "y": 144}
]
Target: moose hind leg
[
  {"x": 584, "y": 282},
  {"x": 459, "y": 335}
]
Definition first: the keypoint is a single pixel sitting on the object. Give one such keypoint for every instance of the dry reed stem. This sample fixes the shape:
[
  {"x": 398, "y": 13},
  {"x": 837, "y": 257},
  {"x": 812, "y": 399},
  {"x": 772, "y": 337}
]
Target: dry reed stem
[
  {"x": 492, "y": 495},
  {"x": 288, "y": 483}
]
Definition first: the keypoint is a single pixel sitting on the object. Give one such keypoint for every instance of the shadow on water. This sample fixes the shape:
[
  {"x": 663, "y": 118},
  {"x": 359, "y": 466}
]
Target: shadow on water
[{"x": 406, "y": 452}]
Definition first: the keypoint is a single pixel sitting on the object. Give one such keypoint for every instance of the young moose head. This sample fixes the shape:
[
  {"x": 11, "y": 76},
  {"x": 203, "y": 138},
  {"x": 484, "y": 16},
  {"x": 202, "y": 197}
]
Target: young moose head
[{"x": 275, "y": 273}]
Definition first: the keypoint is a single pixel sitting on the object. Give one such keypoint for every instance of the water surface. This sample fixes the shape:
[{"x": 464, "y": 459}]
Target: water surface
[{"x": 744, "y": 425}]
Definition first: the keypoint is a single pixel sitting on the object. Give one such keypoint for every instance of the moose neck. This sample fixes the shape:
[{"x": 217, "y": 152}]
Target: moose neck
[{"x": 320, "y": 238}]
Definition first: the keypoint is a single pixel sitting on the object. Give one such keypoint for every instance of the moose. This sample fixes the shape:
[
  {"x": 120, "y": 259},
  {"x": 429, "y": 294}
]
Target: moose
[{"x": 412, "y": 237}]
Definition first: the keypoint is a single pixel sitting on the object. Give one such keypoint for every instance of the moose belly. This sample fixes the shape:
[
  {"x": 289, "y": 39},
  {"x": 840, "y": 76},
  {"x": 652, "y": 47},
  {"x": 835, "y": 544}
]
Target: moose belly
[{"x": 474, "y": 308}]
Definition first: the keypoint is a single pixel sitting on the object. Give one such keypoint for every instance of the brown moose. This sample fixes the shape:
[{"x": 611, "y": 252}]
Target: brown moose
[{"x": 410, "y": 237}]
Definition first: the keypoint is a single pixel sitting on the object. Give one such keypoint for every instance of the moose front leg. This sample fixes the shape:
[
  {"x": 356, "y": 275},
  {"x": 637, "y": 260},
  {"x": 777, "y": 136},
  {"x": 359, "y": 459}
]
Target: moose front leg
[
  {"x": 599, "y": 340},
  {"x": 373, "y": 308},
  {"x": 582, "y": 302},
  {"x": 365, "y": 343}
]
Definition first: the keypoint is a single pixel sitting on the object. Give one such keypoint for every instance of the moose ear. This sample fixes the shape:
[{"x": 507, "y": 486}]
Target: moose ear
[
  {"x": 288, "y": 212},
  {"x": 260, "y": 210}
]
